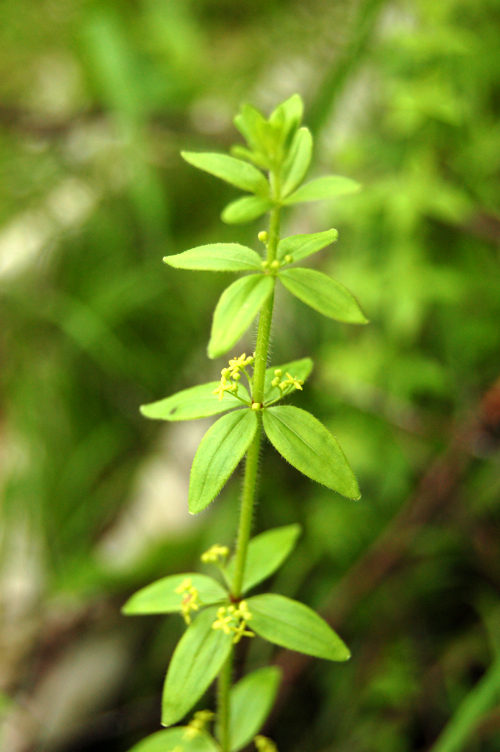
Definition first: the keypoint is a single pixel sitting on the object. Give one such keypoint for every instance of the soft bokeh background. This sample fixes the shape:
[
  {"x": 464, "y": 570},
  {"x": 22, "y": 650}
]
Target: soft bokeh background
[{"x": 97, "y": 100}]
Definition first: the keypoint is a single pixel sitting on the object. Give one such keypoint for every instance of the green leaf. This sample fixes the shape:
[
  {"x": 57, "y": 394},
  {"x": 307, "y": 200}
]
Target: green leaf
[
  {"x": 297, "y": 162},
  {"x": 176, "y": 739},
  {"x": 217, "y": 257},
  {"x": 220, "y": 450},
  {"x": 324, "y": 188},
  {"x": 266, "y": 553},
  {"x": 295, "y": 626},
  {"x": 193, "y": 403},
  {"x": 234, "y": 171},
  {"x": 288, "y": 115},
  {"x": 238, "y": 306},
  {"x": 324, "y": 294},
  {"x": 299, "y": 369},
  {"x": 252, "y": 126},
  {"x": 256, "y": 158},
  {"x": 196, "y": 661},
  {"x": 246, "y": 209},
  {"x": 250, "y": 703},
  {"x": 302, "y": 246},
  {"x": 307, "y": 445},
  {"x": 160, "y": 597}
]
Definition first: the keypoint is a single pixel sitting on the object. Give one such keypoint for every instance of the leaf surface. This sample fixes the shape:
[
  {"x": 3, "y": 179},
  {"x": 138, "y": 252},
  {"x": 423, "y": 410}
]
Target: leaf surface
[
  {"x": 245, "y": 209},
  {"x": 250, "y": 703},
  {"x": 266, "y": 553},
  {"x": 324, "y": 188},
  {"x": 295, "y": 626},
  {"x": 193, "y": 403},
  {"x": 196, "y": 661},
  {"x": 176, "y": 739},
  {"x": 324, "y": 294},
  {"x": 302, "y": 246},
  {"x": 241, "y": 174},
  {"x": 217, "y": 257},
  {"x": 220, "y": 450},
  {"x": 299, "y": 369},
  {"x": 238, "y": 306},
  {"x": 307, "y": 445},
  {"x": 160, "y": 597},
  {"x": 298, "y": 161}
]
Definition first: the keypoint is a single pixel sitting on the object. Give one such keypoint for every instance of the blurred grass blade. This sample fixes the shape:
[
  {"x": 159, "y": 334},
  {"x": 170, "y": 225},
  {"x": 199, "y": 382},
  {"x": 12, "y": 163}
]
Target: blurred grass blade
[{"x": 295, "y": 626}]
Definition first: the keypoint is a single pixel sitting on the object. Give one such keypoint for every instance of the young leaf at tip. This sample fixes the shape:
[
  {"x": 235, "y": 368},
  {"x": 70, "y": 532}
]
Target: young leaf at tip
[
  {"x": 250, "y": 703},
  {"x": 322, "y": 189},
  {"x": 307, "y": 445},
  {"x": 238, "y": 306},
  {"x": 324, "y": 294},
  {"x": 193, "y": 403},
  {"x": 266, "y": 553},
  {"x": 196, "y": 661},
  {"x": 297, "y": 163},
  {"x": 217, "y": 257},
  {"x": 219, "y": 452},
  {"x": 234, "y": 171},
  {"x": 295, "y": 626}
]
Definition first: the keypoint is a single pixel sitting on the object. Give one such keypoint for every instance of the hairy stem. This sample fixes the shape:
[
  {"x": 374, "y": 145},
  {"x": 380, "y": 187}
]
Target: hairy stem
[{"x": 250, "y": 478}]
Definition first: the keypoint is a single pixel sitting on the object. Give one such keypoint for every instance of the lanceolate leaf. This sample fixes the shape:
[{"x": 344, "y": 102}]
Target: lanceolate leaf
[
  {"x": 250, "y": 703},
  {"x": 324, "y": 294},
  {"x": 245, "y": 209},
  {"x": 176, "y": 739},
  {"x": 196, "y": 402},
  {"x": 266, "y": 553},
  {"x": 299, "y": 369},
  {"x": 196, "y": 661},
  {"x": 220, "y": 450},
  {"x": 234, "y": 171},
  {"x": 330, "y": 186},
  {"x": 298, "y": 161},
  {"x": 217, "y": 257},
  {"x": 301, "y": 246},
  {"x": 252, "y": 126},
  {"x": 307, "y": 445},
  {"x": 288, "y": 114},
  {"x": 160, "y": 597},
  {"x": 239, "y": 304},
  {"x": 295, "y": 626}
]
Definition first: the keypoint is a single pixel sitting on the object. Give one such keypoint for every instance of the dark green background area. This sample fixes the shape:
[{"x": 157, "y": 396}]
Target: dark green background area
[{"x": 97, "y": 100}]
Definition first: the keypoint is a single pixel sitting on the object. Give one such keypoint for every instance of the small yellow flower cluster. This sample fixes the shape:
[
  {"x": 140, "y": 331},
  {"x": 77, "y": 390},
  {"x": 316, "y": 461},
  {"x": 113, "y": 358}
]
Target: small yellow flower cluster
[
  {"x": 197, "y": 723},
  {"x": 234, "y": 619},
  {"x": 290, "y": 381},
  {"x": 229, "y": 377},
  {"x": 215, "y": 553},
  {"x": 190, "y": 599},
  {"x": 264, "y": 744}
]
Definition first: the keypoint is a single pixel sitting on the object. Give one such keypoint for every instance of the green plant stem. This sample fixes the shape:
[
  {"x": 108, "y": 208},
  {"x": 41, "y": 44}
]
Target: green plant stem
[
  {"x": 250, "y": 478},
  {"x": 223, "y": 689}
]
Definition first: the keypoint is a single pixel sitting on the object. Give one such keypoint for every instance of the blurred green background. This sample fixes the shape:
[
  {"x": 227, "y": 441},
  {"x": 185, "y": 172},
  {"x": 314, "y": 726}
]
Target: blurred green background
[{"x": 97, "y": 100}]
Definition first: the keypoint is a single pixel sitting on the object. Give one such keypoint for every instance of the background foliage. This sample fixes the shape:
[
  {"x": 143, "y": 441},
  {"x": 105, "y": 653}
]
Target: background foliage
[{"x": 97, "y": 101}]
